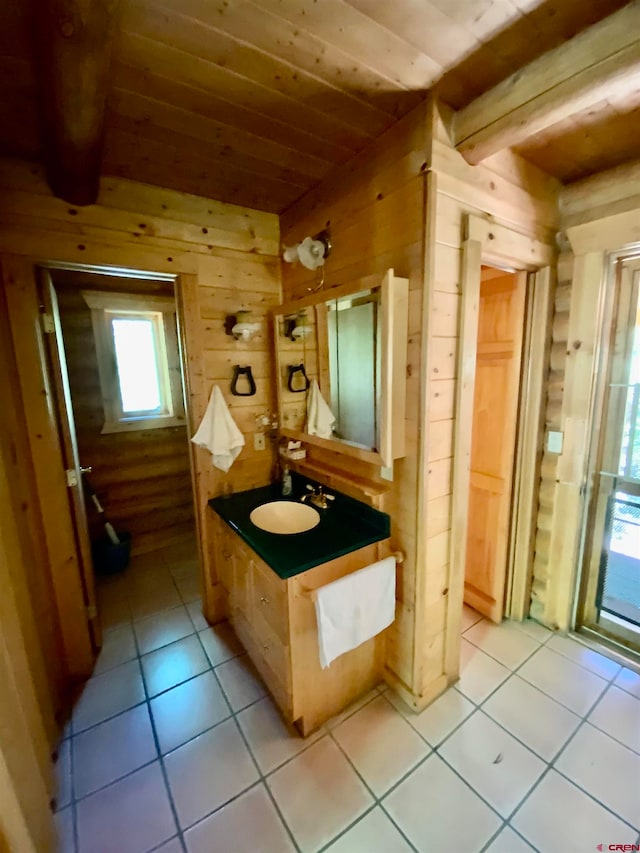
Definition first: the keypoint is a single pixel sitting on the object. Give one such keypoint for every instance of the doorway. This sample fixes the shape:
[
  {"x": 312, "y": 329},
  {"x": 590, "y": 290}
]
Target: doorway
[
  {"x": 501, "y": 321},
  {"x": 126, "y": 453},
  {"x": 609, "y": 602}
]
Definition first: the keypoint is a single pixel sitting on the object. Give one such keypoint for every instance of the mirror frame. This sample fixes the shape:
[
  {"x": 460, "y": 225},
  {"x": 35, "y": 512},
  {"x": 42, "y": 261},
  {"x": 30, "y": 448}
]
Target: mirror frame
[{"x": 394, "y": 303}]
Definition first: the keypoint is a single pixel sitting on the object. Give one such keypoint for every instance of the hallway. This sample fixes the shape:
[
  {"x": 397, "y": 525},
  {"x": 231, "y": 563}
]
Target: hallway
[{"x": 175, "y": 746}]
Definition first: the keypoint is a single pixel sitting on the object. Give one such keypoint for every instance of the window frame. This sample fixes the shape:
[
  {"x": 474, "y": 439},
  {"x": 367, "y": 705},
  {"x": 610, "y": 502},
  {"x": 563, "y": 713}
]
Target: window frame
[{"x": 161, "y": 310}]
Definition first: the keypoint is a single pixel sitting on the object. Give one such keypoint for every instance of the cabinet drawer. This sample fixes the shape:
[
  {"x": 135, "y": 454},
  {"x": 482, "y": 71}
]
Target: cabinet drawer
[
  {"x": 270, "y": 600},
  {"x": 270, "y": 658}
]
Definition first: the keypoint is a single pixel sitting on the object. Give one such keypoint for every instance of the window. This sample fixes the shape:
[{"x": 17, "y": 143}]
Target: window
[{"x": 138, "y": 360}]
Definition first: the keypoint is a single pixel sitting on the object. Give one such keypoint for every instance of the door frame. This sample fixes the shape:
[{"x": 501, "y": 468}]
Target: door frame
[
  {"x": 486, "y": 242},
  {"x": 38, "y": 401}
]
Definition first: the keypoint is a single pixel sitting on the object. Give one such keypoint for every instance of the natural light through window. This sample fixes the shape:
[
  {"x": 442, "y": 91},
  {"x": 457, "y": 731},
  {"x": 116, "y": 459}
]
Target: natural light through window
[
  {"x": 137, "y": 363},
  {"x": 136, "y": 340}
]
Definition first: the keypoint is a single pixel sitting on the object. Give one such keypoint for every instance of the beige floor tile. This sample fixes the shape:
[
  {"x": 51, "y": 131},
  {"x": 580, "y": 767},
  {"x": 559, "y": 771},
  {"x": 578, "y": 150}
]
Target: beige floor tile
[
  {"x": 352, "y": 708},
  {"x": 509, "y": 841},
  {"x": 319, "y": 781},
  {"x": 108, "y": 694},
  {"x": 542, "y": 819},
  {"x": 618, "y": 714},
  {"x": 220, "y": 643},
  {"x": 148, "y": 603},
  {"x": 113, "y": 612},
  {"x": 63, "y": 775},
  {"x": 533, "y": 629},
  {"x": 171, "y": 665},
  {"x": 172, "y": 846},
  {"x": 496, "y": 766},
  {"x": 381, "y": 744},
  {"x": 504, "y": 643},
  {"x": 479, "y": 673},
  {"x": 63, "y": 822},
  {"x": 159, "y": 630},
  {"x": 189, "y": 587},
  {"x": 208, "y": 772},
  {"x": 469, "y": 618},
  {"x": 628, "y": 680},
  {"x": 606, "y": 770},
  {"x": 130, "y": 816},
  {"x": 111, "y": 750},
  {"x": 229, "y": 829},
  {"x": 241, "y": 683},
  {"x": 537, "y": 720},
  {"x": 194, "y": 609},
  {"x": 374, "y": 833},
  {"x": 187, "y": 710},
  {"x": 118, "y": 646},
  {"x": 588, "y": 658},
  {"x": 437, "y": 811},
  {"x": 184, "y": 567},
  {"x": 271, "y": 740},
  {"x": 565, "y": 681},
  {"x": 439, "y": 719}
]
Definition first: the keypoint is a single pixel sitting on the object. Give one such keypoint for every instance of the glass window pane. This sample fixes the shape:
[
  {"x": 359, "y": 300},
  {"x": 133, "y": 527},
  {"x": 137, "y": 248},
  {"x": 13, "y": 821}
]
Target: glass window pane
[{"x": 137, "y": 365}]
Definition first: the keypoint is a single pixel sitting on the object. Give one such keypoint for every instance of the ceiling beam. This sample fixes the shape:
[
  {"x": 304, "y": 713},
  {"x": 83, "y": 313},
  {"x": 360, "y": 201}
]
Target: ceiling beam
[
  {"x": 73, "y": 54},
  {"x": 601, "y": 62}
]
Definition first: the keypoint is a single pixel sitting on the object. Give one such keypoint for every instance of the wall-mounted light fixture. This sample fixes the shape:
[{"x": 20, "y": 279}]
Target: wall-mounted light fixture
[
  {"x": 296, "y": 326},
  {"x": 240, "y": 326},
  {"x": 312, "y": 252}
]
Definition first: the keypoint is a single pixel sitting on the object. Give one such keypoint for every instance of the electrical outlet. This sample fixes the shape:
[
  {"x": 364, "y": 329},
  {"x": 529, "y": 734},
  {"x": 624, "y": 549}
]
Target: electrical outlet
[{"x": 258, "y": 441}]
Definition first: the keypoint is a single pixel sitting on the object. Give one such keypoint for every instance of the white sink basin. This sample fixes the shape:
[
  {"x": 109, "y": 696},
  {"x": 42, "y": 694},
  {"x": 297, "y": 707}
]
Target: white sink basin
[{"x": 285, "y": 517}]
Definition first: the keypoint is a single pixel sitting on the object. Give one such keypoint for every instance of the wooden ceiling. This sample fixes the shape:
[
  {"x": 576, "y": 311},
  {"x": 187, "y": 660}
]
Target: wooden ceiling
[{"x": 255, "y": 101}]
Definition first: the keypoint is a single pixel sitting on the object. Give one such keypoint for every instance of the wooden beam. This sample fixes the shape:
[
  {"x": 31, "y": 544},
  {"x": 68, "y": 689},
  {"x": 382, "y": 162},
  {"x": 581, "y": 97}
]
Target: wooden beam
[
  {"x": 601, "y": 62},
  {"x": 73, "y": 51}
]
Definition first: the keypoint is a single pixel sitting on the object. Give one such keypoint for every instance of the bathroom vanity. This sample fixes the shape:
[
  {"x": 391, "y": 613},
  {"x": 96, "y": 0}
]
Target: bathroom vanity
[{"x": 270, "y": 579}]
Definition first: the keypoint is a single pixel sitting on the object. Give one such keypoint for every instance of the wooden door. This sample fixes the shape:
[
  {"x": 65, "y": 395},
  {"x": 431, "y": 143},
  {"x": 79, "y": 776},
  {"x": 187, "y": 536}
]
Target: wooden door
[
  {"x": 497, "y": 382},
  {"x": 67, "y": 430}
]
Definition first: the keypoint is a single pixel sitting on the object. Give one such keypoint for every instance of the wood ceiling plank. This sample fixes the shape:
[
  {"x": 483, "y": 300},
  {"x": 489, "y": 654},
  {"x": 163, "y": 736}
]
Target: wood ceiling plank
[
  {"x": 330, "y": 106},
  {"x": 146, "y": 160},
  {"x": 253, "y": 165},
  {"x": 339, "y": 24},
  {"x": 300, "y": 47},
  {"x": 147, "y": 111},
  {"x": 563, "y": 81},
  {"x": 424, "y": 26},
  {"x": 312, "y": 154},
  {"x": 174, "y": 64}
]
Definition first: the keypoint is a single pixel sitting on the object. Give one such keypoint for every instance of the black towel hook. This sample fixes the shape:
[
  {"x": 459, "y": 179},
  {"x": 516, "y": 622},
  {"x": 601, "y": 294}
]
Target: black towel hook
[
  {"x": 243, "y": 371},
  {"x": 292, "y": 370}
]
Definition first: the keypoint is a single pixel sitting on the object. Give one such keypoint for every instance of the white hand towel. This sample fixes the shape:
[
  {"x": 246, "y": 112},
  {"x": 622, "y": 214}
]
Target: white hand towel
[
  {"x": 355, "y": 608},
  {"x": 218, "y": 432},
  {"x": 320, "y": 418}
]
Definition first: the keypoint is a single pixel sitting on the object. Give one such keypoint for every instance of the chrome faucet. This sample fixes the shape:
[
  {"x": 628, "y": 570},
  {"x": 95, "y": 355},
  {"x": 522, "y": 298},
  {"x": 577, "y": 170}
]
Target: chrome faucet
[{"x": 317, "y": 497}]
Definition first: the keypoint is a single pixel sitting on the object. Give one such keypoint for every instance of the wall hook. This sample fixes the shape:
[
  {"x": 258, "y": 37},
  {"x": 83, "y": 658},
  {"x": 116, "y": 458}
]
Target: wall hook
[
  {"x": 293, "y": 381},
  {"x": 243, "y": 371}
]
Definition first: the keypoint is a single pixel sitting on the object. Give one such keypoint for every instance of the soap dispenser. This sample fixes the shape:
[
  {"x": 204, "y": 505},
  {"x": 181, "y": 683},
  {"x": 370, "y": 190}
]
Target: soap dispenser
[{"x": 287, "y": 483}]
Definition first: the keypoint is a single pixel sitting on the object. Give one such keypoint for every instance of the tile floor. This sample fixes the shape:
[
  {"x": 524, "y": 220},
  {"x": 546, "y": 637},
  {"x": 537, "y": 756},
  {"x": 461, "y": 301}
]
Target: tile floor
[{"x": 174, "y": 745}]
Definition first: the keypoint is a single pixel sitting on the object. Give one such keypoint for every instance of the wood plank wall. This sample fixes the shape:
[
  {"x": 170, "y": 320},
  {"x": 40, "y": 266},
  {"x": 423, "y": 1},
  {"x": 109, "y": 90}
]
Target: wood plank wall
[
  {"x": 375, "y": 209},
  {"x": 142, "y": 478},
  {"x": 515, "y": 194},
  {"x": 553, "y": 421},
  {"x": 226, "y": 258}
]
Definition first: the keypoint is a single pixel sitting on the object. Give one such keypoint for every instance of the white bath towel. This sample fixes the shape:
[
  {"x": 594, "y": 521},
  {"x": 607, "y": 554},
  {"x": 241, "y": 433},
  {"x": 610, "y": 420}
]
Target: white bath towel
[
  {"x": 218, "y": 432},
  {"x": 355, "y": 608},
  {"x": 320, "y": 418}
]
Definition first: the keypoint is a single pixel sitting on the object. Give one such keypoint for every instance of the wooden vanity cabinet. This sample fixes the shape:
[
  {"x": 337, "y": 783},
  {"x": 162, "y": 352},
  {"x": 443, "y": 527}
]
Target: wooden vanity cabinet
[{"x": 276, "y": 622}]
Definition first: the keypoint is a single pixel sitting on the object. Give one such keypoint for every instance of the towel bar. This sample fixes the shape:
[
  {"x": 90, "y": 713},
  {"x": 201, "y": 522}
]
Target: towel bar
[{"x": 310, "y": 593}]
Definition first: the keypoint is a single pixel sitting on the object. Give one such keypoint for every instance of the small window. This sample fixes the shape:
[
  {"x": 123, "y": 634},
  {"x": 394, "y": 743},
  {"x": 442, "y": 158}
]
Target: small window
[{"x": 138, "y": 360}]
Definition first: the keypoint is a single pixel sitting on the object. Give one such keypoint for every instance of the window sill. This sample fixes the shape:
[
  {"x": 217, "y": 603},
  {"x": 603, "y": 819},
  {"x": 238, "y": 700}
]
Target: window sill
[{"x": 161, "y": 422}]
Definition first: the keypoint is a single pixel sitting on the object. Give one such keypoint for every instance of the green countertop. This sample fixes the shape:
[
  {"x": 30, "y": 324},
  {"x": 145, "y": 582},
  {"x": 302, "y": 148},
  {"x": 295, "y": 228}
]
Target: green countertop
[{"x": 345, "y": 526}]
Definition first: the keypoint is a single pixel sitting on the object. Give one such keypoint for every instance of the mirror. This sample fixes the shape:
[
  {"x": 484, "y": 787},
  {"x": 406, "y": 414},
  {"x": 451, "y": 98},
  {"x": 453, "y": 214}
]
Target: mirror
[{"x": 341, "y": 362}]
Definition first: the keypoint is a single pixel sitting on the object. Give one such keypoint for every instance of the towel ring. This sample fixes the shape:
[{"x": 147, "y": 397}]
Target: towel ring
[
  {"x": 243, "y": 371},
  {"x": 292, "y": 370}
]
